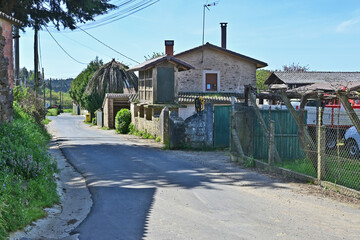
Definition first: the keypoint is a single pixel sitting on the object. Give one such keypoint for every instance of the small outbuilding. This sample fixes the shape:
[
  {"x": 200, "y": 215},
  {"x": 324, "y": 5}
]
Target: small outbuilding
[{"x": 114, "y": 102}]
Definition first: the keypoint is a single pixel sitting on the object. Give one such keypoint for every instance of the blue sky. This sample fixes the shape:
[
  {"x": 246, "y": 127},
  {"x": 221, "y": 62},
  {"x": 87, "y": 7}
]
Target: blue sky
[{"x": 323, "y": 34}]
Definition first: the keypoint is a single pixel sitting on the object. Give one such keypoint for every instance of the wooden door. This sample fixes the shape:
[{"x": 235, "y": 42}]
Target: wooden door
[{"x": 211, "y": 81}]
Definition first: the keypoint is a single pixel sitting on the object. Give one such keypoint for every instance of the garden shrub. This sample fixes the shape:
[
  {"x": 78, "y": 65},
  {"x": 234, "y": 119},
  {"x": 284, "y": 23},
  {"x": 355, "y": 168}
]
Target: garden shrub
[{"x": 122, "y": 121}]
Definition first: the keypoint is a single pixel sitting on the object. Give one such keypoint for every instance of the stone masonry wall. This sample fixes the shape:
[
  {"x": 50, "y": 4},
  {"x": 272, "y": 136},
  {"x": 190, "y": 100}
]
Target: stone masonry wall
[
  {"x": 199, "y": 128},
  {"x": 234, "y": 72},
  {"x": 6, "y": 96}
]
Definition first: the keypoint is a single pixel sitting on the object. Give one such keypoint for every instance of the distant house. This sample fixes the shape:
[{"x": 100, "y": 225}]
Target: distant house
[
  {"x": 6, "y": 24},
  {"x": 300, "y": 79},
  {"x": 218, "y": 72}
]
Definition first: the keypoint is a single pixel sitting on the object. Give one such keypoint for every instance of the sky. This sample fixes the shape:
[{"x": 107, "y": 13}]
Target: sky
[{"x": 322, "y": 34}]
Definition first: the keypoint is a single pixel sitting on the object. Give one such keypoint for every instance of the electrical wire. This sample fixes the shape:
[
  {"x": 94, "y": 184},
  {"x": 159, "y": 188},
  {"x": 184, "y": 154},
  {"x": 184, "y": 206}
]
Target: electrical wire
[
  {"x": 108, "y": 46},
  {"x": 63, "y": 48}
]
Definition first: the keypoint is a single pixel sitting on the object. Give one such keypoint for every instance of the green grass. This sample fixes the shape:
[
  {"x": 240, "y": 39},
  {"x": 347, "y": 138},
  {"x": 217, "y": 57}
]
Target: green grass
[
  {"x": 52, "y": 112},
  {"x": 338, "y": 170},
  {"x": 68, "y": 110},
  {"x": 27, "y": 182},
  {"x": 46, "y": 121}
]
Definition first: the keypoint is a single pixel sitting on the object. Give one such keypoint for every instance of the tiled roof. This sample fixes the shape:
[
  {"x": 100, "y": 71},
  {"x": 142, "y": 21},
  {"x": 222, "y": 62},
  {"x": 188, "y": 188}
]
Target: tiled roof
[
  {"x": 258, "y": 63},
  {"x": 312, "y": 77},
  {"x": 130, "y": 96},
  {"x": 10, "y": 19},
  {"x": 221, "y": 98},
  {"x": 154, "y": 61}
]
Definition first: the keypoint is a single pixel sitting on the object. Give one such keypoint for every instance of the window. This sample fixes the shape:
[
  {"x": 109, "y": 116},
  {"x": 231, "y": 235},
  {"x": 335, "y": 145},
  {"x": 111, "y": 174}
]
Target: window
[{"x": 211, "y": 81}]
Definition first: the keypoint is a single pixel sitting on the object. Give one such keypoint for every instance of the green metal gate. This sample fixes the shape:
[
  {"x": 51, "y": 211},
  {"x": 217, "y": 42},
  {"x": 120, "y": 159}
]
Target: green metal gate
[{"x": 222, "y": 126}]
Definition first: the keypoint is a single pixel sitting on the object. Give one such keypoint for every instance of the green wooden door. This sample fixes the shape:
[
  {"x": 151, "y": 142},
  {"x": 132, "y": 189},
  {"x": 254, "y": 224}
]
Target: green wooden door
[
  {"x": 165, "y": 85},
  {"x": 222, "y": 126}
]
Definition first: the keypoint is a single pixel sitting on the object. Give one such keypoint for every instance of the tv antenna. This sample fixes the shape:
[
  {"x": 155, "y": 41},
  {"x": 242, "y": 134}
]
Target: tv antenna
[{"x": 206, "y": 6}]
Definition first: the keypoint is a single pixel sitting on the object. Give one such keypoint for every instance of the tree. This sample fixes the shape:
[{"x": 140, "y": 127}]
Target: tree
[
  {"x": 261, "y": 76},
  {"x": 295, "y": 68},
  {"x": 79, "y": 84},
  {"x": 154, "y": 55},
  {"x": 66, "y": 13},
  {"x": 110, "y": 78}
]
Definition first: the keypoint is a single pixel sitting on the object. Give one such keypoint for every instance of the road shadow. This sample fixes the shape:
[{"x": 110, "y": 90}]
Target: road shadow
[{"x": 123, "y": 180}]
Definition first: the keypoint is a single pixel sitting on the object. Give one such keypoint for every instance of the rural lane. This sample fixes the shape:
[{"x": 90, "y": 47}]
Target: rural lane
[{"x": 142, "y": 192}]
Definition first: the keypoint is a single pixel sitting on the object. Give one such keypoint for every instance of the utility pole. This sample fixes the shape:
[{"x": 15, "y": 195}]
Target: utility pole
[
  {"x": 50, "y": 93},
  {"x": 44, "y": 87},
  {"x": 36, "y": 62},
  {"x": 17, "y": 55}
]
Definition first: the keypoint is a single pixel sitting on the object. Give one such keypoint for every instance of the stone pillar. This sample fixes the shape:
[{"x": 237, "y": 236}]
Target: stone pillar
[
  {"x": 6, "y": 96},
  {"x": 209, "y": 124},
  {"x": 164, "y": 125}
]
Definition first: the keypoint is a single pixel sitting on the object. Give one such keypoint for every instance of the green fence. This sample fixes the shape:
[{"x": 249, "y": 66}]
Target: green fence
[
  {"x": 286, "y": 135},
  {"x": 222, "y": 126}
]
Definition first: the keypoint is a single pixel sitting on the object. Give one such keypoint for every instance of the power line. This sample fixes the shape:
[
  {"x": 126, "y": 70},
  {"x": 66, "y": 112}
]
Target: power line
[
  {"x": 108, "y": 46},
  {"x": 63, "y": 48}
]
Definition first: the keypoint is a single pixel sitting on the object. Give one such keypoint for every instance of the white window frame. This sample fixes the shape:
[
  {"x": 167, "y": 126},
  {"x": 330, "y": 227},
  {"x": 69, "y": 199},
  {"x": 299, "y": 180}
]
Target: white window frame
[{"x": 218, "y": 80}]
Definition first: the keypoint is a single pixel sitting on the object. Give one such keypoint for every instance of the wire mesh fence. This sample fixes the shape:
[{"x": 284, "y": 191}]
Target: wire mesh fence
[{"x": 328, "y": 150}]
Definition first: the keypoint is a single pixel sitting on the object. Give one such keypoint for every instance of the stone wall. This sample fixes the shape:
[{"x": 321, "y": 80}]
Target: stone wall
[
  {"x": 199, "y": 128},
  {"x": 234, "y": 71},
  {"x": 6, "y": 96}
]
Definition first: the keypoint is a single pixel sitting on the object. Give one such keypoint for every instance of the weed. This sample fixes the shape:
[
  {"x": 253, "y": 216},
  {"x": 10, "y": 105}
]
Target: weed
[
  {"x": 46, "y": 121},
  {"x": 52, "y": 112},
  {"x": 250, "y": 162},
  {"x": 158, "y": 139}
]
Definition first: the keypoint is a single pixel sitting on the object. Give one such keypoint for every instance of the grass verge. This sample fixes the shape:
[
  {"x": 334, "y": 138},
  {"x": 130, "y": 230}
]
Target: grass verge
[{"x": 27, "y": 182}]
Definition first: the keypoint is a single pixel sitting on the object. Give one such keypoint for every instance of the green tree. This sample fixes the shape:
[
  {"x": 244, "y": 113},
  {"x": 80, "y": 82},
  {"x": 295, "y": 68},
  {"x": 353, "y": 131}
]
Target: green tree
[
  {"x": 261, "y": 76},
  {"x": 66, "y": 13},
  {"x": 79, "y": 84}
]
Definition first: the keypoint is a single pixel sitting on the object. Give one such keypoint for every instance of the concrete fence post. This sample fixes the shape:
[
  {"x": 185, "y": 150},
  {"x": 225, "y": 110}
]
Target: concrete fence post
[
  {"x": 271, "y": 148},
  {"x": 164, "y": 124}
]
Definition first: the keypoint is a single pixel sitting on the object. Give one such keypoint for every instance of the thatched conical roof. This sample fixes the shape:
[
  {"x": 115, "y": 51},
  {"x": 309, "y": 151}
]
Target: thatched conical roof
[{"x": 113, "y": 77}]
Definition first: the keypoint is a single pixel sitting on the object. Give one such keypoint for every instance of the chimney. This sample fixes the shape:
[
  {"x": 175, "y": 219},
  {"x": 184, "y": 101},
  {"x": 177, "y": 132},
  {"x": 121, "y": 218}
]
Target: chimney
[
  {"x": 223, "y": 35},
  {"x": 169, "y": 47}
]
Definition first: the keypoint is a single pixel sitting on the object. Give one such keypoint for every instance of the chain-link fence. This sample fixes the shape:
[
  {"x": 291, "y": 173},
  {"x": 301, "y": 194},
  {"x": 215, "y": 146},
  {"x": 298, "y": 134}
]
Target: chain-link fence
[{"x": 325, "y": 145}]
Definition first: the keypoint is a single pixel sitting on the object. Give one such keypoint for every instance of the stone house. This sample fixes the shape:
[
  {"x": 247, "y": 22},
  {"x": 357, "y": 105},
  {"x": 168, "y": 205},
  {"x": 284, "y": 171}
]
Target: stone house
[
  {"x": 156, "y": 90},
  {"x": 217, "y": 72},
  {"x": 6, "y": 66}
]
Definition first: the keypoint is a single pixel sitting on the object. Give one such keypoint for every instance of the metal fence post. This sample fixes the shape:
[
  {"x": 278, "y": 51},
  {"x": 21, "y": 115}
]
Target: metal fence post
[{"x": 271, "y": 149}]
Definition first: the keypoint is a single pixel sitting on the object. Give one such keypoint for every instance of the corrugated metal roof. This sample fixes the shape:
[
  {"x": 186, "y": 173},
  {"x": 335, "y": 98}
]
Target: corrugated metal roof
[
  {"x": 258, "y": 63},
  {"x": 10, "y": 19},
  {"x": 152, "y": 62},
  {"x": 221, "y": 98},
  {"x": 312, "y": 77}
]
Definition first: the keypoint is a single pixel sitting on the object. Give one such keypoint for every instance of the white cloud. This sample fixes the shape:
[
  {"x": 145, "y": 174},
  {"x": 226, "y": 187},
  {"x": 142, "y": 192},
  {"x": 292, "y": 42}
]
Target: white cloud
[{"x": 346, "y": 25}]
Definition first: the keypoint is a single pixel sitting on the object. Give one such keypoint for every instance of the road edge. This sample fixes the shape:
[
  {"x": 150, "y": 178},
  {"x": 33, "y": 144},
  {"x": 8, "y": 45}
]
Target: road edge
[{"x": 74, "y": 206}]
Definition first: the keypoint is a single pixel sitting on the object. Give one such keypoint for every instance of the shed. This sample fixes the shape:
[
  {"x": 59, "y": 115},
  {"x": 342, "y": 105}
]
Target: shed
[{"x": 114, "y": 102}]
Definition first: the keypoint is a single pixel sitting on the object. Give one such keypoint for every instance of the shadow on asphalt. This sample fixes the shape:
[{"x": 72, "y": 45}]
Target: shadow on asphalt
[{"x": 123, "y": 180}]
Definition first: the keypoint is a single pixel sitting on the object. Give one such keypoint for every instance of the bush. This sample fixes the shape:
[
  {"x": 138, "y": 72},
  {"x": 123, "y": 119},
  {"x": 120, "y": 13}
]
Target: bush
[
  {"x": 94, "y": 121},
  {"x": 26, "y": 100},
  {"x": 52, "y": 112},
  {"x": 122, "y": 121}
]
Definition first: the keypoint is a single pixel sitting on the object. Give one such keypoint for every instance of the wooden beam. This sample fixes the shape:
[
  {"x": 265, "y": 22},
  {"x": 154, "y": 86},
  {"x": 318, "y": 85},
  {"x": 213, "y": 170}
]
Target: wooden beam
[
  {"x": 350, "y": 111},
  {"x": 306, "y": 138},
  {"x": 262, "y": 124}
]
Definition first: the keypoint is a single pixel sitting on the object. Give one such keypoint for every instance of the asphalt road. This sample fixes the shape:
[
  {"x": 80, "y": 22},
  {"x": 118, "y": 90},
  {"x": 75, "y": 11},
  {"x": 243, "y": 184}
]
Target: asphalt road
[{"x": 142, "y": 192}]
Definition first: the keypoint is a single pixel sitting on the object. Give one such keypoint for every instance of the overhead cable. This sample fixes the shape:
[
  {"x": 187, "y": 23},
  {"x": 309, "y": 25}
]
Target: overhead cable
[{"x": 63, "y": 48}]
